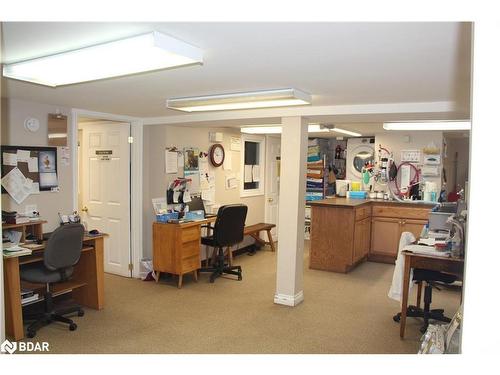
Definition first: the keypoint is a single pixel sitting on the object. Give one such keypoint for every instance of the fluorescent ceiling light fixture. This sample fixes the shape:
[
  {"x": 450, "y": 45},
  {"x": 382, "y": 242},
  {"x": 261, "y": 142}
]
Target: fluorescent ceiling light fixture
[
  {"x": 317, "y": 128},
  {"x": 241, "y": 100},
  {"x": 312, "y": 128},
  {"x": 346, "y": 132},
  {"x": 261, "y": 130},
  {"x": 142, "y": 53},
  {"x": 428, "y": 125}
]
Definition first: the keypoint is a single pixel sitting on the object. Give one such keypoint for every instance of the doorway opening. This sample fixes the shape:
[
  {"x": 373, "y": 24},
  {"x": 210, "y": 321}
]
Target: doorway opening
[
  {"x": 273, "y": 163},
  {"x": 104, "y": 187}
]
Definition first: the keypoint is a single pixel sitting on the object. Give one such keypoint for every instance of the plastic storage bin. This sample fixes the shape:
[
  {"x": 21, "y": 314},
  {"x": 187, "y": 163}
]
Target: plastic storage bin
[{"x": 357, "y": 194}]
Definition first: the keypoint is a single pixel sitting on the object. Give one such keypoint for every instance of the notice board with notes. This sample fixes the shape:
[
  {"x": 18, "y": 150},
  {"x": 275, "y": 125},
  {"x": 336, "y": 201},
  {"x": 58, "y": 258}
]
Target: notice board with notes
[{"x": 28, "y": 168}]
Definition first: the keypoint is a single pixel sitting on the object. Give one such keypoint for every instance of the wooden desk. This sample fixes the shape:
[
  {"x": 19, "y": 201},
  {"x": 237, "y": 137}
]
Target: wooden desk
[
  {"x": 87, "y": 282},
  {"x": 176, "y": 248},
  {"x": 429, "y": 262}
]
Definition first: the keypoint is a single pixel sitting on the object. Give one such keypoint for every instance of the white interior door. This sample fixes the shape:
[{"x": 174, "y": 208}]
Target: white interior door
[
  {"x": 273, "y": 160},
  {"x": 105, "y": 189}
]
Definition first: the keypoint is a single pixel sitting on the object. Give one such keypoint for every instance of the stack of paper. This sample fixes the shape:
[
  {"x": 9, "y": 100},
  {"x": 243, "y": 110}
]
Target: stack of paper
[
  {"x": 426, "y": 250},
  {"x": 15, "y": 251}
]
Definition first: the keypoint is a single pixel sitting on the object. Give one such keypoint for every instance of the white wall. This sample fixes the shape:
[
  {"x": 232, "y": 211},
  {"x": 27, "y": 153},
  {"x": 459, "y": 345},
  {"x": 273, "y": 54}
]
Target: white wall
[
  {"x": 395, "y": 142},
  {"x": 156, "y": 139},
  {"x": 2, "y": 310},
  {"x": 14, "y": 112},
  {"x": 460, "y": 146}
]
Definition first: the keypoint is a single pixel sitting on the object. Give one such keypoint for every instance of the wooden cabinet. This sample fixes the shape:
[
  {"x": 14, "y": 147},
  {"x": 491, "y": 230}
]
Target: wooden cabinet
[
  {"x": 342, "y": 243},
  {"x": 176, "y": 249},
  {"x": 385, "y": 236},
  {"x": 362, "y": 231},
  {"x": 345, "y": 232},
  {"x": 388, "y": 223},
  {"x": 412, "y": 225}
]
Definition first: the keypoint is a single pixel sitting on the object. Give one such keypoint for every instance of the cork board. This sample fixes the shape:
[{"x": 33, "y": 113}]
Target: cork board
[{"x": 46, "y": 162}]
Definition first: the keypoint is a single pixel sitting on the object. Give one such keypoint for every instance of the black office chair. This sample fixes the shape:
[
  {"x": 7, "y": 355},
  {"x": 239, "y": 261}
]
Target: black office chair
[
  {"x": 227, "y": 231},
  {"x": 61, "y": 254},
  {"x": 430, "y": 278}
]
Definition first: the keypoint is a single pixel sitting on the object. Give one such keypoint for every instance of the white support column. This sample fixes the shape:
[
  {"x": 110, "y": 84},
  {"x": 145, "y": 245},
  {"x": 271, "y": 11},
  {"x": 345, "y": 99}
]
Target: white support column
[{"x": 289, "y": 278}]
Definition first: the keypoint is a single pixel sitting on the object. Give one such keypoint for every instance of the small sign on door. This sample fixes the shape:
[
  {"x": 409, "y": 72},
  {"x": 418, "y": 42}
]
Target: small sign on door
[{"x": 104, "y": 154}]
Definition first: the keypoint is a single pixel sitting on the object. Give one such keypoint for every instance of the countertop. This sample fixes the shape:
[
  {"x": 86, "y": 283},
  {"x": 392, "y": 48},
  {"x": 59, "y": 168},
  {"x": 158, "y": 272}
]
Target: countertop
[{"x": 347, "y": 202}]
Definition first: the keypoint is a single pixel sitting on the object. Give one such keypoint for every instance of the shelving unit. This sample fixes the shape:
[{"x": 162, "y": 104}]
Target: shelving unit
[
  {"x": 316, "y": 177},
  {"x": 33, "y": 227}
]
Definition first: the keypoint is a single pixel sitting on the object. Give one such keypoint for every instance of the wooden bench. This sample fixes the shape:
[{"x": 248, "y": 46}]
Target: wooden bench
[
  {"x": 254, "y": 230},
  {"x": 251, "y": 230}
]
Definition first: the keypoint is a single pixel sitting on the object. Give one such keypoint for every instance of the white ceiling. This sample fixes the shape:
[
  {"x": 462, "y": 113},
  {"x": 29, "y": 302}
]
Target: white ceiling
[{"x": 338, "y": 63}]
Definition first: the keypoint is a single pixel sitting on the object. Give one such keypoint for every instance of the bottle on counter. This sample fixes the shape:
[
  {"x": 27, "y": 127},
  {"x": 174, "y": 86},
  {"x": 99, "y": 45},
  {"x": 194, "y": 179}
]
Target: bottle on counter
[{"x": 425, "y": 231}]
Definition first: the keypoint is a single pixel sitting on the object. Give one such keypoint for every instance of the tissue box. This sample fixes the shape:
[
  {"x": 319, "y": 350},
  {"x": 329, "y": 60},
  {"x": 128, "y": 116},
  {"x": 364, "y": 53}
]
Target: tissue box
[{"x": 163, "y": 218}]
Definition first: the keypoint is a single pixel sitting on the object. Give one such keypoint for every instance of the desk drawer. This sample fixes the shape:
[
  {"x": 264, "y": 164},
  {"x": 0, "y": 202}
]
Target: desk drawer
[
  {"x": 191, "y": 264},
  {"x": 401, "y": 212},
  {"x": 363, "y": 212},
  {"x": 190, "y": 234},
  {"x": 189, "y": 249}
]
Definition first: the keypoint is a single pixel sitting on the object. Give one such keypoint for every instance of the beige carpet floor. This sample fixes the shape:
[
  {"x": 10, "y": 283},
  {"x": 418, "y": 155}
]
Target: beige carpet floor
[{"x": 341, "y": 313}]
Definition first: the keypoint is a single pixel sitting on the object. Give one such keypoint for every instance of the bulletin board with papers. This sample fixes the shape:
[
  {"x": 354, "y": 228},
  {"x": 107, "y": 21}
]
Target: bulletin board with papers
[{"x": 28, "y": 170}]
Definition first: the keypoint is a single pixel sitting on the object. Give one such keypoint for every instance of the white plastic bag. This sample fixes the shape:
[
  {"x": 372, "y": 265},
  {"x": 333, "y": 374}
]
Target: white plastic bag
[{"x": 146, "y": 268}]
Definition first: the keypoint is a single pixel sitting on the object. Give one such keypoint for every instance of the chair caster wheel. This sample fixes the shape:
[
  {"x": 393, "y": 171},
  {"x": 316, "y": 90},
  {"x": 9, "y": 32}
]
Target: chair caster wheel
[
  {"x": 73, "y": 327},
  {"x": 240, "y": 278},
  {"x": 81, "y": 313},
  {"x": 396, "y": 318},
  {"x": 31, "y": 334}
]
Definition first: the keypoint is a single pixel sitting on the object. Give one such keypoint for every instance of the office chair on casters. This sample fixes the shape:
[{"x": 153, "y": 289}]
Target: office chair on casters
[
  {"x": 227, "y": 231},
  {"x": 61, "y": 254},
  {"x": 430, "y": 278}
]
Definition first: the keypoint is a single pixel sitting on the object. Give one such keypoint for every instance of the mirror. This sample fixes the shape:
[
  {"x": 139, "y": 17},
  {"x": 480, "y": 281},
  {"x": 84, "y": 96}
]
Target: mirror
[{"x": 361, "y": 158}]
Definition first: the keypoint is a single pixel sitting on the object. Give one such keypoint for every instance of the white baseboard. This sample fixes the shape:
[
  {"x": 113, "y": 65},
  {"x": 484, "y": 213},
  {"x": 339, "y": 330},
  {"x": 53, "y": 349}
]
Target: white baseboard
[{"x": 289, "y": 300}]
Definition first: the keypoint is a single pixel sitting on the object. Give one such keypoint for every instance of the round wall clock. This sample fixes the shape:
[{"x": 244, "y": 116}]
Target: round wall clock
[
  {"x": 217, "y": 155},
  {"x": 32, "y": 124}
]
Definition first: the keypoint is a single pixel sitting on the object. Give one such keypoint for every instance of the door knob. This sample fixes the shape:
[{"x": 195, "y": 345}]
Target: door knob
[
  {"x": 269, "y": 199},
  {"x": 85, "y": 209}
]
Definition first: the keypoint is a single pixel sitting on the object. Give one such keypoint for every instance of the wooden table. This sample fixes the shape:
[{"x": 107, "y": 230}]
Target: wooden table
[
  {"x": 429, "y": 262},
  {"x": 86, "y": 283}
]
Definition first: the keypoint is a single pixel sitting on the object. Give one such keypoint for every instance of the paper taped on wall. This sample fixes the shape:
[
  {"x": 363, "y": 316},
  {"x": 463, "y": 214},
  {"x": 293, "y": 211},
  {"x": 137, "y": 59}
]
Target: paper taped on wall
[
  {"x": 10, "y": 159},
  {"x": 170, "y": 161},
  {"x": 17, "y": 185}
]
